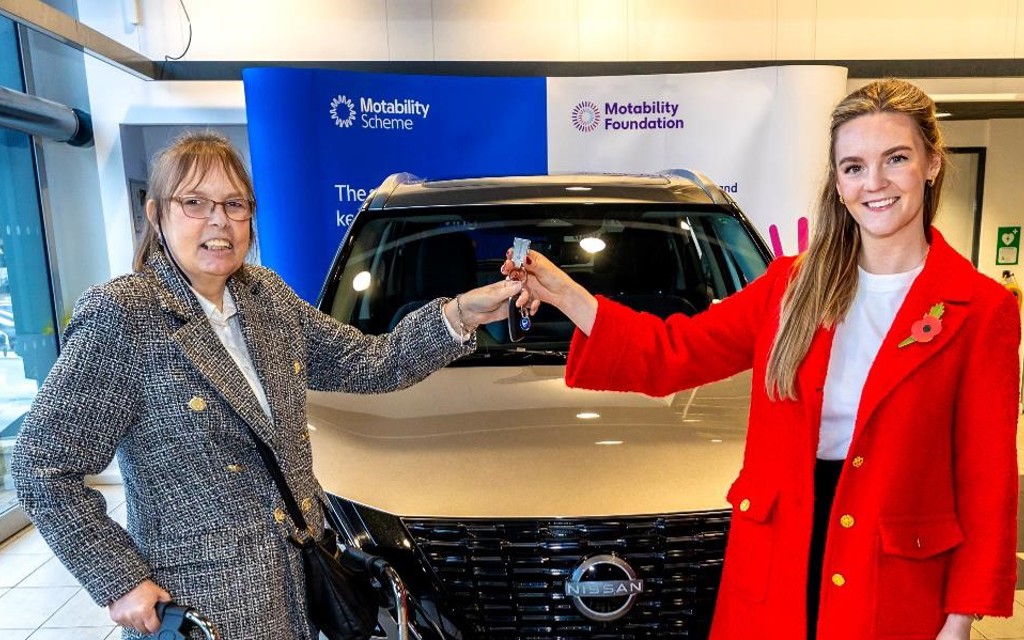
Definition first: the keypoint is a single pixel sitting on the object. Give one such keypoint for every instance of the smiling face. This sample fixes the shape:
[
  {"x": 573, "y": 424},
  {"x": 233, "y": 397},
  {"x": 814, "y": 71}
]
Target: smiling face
[
  {"x": 882, "y": 165},
  {"x": 208, "y": 250}
]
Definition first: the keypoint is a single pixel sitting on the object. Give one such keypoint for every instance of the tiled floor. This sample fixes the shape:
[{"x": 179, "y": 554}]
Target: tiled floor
[{"x": 39, "y": 600}]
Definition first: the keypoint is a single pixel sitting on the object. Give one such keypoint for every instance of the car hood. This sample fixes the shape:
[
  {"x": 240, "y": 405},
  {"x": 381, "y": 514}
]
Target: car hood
[{"x": 514, "y": 441}]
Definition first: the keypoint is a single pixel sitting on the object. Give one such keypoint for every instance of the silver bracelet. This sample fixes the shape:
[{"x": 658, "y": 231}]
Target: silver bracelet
[{"x": 462, "y": 323}]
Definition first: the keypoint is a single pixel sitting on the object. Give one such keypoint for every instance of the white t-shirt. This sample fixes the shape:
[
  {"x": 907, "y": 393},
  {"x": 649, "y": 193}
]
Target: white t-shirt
[{"x": 854, "y": 348}]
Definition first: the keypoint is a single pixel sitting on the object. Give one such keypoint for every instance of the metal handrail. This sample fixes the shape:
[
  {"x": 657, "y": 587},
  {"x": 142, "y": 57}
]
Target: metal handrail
[
  {"x": 204, "y": 625},
  {"x": 41, "y": 117},
  {"x": 401, "y": 600}
]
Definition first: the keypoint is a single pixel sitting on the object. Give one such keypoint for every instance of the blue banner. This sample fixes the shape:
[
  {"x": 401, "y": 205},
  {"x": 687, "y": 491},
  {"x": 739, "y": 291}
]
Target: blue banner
[{"x": 321, "y": 140}]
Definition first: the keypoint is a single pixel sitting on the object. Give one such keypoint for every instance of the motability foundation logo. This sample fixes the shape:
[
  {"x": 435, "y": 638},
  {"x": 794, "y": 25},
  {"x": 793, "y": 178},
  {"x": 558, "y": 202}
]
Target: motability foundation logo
[
  {"x": 627, "y": 116},
  {"x": 586, "y": 116},
  {"x": 400, "y": 114}
]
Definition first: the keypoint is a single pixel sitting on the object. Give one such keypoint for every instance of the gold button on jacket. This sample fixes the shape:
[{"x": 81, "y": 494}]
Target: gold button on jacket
[
  {"x": 858, "y": 461},
  {"x": 846, "y": 520},
  {"x": 838, "y": 579},
  {"x": 278, "y": 515},
  {"x": 307, "y": 504},
  {"x": 234, "y": 468},
  {"x": 745, "y": 505},
  {"x": 197, "y": 404}
]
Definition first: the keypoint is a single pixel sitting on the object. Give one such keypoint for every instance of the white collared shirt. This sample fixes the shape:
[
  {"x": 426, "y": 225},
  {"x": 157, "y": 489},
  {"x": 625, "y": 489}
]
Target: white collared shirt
[{"x": 227, "y": 327}]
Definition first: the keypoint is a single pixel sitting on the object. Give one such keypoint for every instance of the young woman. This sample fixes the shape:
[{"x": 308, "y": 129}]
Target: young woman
[{"x": 878, "y": 492}]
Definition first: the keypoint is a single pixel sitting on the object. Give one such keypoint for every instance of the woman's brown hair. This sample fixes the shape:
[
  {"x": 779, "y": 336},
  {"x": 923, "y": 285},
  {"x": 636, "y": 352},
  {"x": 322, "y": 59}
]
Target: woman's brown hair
[
  {"x": 825, "y": 283},
  {"x": 184, "y": 163}
]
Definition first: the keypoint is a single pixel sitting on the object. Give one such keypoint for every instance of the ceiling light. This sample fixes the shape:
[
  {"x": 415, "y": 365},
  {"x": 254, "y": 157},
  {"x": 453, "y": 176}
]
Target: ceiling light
[
  {"x": 362, "y": 281},
  {"x": 608, "y": 442},
  {"x": 577, "y": 188},
  {"x": 588, "y": 415}
]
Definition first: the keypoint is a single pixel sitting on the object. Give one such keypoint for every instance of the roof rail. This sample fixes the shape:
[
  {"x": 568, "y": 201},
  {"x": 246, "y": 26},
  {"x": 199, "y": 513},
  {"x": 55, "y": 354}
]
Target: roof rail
[
  {"x": 379, "y": 196},
  {"x": 706, "y": 184}
]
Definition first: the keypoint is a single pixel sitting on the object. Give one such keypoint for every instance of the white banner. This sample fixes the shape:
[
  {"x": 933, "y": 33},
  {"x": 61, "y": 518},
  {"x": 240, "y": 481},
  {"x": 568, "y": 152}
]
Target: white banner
[{"x": 761, "y": 134}]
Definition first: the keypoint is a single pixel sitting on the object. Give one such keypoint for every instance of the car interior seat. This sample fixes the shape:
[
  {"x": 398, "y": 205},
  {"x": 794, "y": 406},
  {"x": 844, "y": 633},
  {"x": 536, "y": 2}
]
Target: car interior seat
[
  {"x": 639, "y": 268},
  {"x": 442, "y": 265}
]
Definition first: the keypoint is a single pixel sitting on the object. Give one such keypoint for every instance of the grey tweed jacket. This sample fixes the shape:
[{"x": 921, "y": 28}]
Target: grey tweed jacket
[{"x": 143, "y": 374}]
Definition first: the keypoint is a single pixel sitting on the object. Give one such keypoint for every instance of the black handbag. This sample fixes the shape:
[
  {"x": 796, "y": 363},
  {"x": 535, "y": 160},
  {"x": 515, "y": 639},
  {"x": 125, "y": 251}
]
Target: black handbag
[{"x": 340, "y": 596}]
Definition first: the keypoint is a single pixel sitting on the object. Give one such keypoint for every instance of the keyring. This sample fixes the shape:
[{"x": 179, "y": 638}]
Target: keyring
[{"x": 518, "y": 274}]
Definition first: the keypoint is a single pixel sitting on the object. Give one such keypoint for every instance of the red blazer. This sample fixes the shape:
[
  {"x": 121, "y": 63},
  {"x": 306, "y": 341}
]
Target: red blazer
[{"x": 924, "y": 520}]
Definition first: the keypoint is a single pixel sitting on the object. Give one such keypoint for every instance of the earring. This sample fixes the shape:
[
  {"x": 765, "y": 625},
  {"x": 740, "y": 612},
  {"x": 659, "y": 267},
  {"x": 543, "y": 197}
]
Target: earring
[
  {"x": 930, "y": 182},
  {"x": 841, "y": 201}
]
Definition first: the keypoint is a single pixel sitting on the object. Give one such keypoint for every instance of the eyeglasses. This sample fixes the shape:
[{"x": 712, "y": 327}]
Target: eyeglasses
[{"x": 237, "y": 209}]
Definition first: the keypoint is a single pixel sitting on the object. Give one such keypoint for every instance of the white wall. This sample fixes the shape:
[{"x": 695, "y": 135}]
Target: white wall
[
  {"x": 1003, "y": 203},
  {"x": 118, "y": 98},
  {"x": 568, "y": 30},
  {"x": 544, "y": 30}
]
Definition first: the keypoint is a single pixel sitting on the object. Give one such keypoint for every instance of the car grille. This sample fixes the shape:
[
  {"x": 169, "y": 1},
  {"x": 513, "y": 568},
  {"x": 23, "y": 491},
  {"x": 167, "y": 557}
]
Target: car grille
[{"x": 507, "y": 577}]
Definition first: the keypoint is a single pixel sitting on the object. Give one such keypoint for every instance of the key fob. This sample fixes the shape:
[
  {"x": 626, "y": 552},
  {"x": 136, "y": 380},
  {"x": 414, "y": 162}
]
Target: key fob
[{"x": 519, "y": 321}]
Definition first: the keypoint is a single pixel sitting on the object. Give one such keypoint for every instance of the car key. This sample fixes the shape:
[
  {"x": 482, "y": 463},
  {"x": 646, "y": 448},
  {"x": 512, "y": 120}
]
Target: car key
[{"x": 518, "y": 318}]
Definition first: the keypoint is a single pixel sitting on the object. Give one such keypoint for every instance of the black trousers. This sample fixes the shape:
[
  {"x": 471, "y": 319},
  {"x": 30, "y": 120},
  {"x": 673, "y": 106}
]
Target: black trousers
[{"x": 826, "y": 477}]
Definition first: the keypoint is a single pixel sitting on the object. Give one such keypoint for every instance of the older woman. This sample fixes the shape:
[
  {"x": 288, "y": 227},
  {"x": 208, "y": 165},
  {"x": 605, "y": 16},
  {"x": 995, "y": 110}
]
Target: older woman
[
  {"x": 173, "y": 368},
  {"x": 879, "y": 488}
]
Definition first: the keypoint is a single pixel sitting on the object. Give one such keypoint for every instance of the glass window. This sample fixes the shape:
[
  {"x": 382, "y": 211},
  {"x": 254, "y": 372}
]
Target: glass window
[
  {"x": 662, "y": 261},
  {"x": 28, "y": 336}
]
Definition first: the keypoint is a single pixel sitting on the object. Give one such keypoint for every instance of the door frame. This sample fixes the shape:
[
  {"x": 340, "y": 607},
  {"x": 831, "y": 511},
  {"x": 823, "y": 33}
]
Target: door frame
[{"x": 979, "y": 194}]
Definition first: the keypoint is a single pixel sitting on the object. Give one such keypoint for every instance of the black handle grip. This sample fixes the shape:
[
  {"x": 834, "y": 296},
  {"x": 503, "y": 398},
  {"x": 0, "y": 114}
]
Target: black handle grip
[
  {"x": 356, "y": 557},
  {"x": 172, "y": 618}
]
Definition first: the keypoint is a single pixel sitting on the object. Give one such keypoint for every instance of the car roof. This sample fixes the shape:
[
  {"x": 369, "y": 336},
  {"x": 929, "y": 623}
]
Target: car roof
[{"x": 405, "y": 190}]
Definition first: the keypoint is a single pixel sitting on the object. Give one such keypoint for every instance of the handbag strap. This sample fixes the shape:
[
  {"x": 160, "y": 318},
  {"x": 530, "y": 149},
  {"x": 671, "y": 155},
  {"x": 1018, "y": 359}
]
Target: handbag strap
[{"x": 282, "y": 486}]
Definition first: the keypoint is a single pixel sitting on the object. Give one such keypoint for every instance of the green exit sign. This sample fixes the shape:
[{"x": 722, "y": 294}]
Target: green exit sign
[{"x": 1008, "y": 245}]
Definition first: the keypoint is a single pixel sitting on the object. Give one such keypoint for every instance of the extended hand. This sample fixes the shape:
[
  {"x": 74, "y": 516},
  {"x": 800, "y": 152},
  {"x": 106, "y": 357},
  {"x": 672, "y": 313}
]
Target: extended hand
[
  {"x": 545, "y": 282},
  {"x": 483, "y": 304},
  {"x": 137, "y": 608}
]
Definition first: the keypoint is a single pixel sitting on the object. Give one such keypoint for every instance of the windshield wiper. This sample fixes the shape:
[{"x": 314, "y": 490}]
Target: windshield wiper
[{"x": 516, "y": 352}]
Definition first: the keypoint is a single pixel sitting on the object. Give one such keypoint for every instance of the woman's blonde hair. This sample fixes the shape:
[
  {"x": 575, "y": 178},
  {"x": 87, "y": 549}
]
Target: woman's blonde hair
[
  {"x": 184, "y": 163},
  {"x": 825, "y": 283}
]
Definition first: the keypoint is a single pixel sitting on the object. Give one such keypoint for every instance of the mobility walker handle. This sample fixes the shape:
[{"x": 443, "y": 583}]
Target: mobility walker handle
[{"x": 174, "y": 617}]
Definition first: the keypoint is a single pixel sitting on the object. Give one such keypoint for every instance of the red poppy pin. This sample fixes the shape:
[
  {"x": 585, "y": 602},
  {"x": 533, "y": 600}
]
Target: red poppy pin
[{"x": 925, "y": 329}]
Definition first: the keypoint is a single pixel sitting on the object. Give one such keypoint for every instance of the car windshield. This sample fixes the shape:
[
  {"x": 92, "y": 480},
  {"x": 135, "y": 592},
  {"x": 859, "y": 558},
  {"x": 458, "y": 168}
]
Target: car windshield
[{"x": 661, "y": 259}]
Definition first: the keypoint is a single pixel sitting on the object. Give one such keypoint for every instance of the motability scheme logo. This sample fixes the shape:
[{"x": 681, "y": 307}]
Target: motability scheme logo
[
  {"x": 398, "y": 114},
  {"x": 627, "y": 116}
]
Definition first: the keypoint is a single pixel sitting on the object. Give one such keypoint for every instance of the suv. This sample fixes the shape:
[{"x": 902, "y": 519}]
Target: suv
[{"x": 512, "y": 506}]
